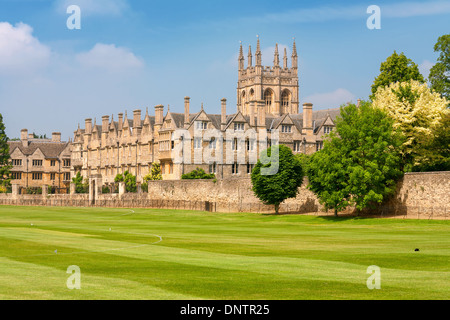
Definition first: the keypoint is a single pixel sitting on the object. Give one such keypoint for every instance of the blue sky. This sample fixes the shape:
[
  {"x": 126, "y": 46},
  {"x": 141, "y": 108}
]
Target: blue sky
[{"x": 132, "y": 54}]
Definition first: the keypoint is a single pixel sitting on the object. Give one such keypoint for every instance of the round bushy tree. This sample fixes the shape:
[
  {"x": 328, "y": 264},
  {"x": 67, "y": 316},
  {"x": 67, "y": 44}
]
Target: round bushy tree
[
  {"x": 277, "y": 176},
  {"x": 361, "y": 162},
  {"x": 417, "y": 112}
]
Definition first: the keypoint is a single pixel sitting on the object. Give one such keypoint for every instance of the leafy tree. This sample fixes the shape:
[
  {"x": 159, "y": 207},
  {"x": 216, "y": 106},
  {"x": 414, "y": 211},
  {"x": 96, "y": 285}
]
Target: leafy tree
[
  {"x": 434, "y": 153},
  {"x": 284, "y": 180},
  {"x": 440, "y": 73},
  {"x": 80, "y": 186},
  {"x": 154, "y": 174},
  {"x": 360, "y": 163},
  {"x": 197, "y": 174},
  {"x": 36, "y": 136},
  {"x": 129, "y": 180},
  {"x": 396, "y": 68},
  {"x": 417, "y": 112},
  {"x": 5, "y": 163},
  {"x": 119, "y": 177}
]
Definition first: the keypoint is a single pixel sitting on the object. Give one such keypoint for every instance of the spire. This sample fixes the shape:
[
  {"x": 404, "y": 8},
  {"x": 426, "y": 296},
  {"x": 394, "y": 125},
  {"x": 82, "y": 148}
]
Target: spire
[
  {"x": 111, "y": 126},
  {"x": 294, "y": 56},
  {"x": 276, "y": 59},
  {"x": 258, "y": 53},
  {"x": 285, "y": 59},
  {"x": 294, "y": 50},
  {"x": 241, "y": 58},
  {"x": 147, "y": 118},
  {"x": 125, "y": 121},
  {"x": 250, "y": 56},
  {"x": 202, "y": 107}
]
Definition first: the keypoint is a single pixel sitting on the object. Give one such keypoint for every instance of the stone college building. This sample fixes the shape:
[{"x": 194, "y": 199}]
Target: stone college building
[{"x": 228, "y": 145}]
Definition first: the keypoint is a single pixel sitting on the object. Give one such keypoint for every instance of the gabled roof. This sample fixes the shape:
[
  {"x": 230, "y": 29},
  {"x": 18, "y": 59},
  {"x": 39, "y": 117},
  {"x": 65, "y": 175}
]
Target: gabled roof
[{"x": 51, "y": 150}]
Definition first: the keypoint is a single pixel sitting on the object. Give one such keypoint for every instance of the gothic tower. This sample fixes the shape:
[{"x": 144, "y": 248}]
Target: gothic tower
[{"x": 276, "y": 87}]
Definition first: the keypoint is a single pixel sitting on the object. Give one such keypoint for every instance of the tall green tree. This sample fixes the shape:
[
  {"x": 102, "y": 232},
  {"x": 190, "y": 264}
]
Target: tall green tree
[
  {"x": 396, "y": 68},
  {"x": 360, "y": 163},
  {"x": 440, "y": 73},
  {"x": 80, "y": 186},
  {"x": 5, "y": 163},
  {"x": 277, "y": 176},
  {"x": 129, "y": 179}
]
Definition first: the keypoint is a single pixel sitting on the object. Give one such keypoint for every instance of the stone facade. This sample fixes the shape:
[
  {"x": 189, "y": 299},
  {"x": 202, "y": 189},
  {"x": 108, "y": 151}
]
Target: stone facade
[{"x": 38, "y": 162}]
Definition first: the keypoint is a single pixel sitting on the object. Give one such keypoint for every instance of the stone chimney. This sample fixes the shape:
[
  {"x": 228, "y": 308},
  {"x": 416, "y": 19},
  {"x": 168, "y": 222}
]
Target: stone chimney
[
  {"x": 137, "y": 119},
  {"x": 56, "y": 137},
  {"x": 186, "y": 111},
  {"x": 307, "y": 118},
  {"x": 223, "y": 117},
  {"x": 88, "y": 126},
  {"x": 120, "y": 125},
  {"x": 105, "y": 124},
  {"x": 159, "y": 114},
  {"x": 24, "y": 137}
]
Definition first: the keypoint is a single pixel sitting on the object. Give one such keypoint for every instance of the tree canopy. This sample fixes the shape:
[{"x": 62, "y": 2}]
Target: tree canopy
[
  {"x": 396, "y": 68},
  {"x": 360, "y": 163},
  {"x": 417, "y": 112},
  {"x": 440, "y": 73},
  {"x": 154, "y": 174},
  {"x": 277, "y": 176}
]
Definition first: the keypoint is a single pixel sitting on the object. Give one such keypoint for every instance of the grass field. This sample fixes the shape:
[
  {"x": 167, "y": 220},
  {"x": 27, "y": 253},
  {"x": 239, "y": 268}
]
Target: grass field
[{"x": 166, "y": 254}]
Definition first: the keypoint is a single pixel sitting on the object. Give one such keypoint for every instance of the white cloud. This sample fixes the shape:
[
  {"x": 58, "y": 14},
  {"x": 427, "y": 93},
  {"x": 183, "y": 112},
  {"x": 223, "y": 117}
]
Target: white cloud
[
  {"x": 20, "y": 52},
  {"x": 330, "y": 99},
  {"x": 94, "y": 7},
  {"x": 425, "y": 67},
  {"x": 109, "y": 58}
]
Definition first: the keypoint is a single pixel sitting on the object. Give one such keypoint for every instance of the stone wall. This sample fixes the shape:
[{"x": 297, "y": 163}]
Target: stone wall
[{"x": 419, "y": 195}]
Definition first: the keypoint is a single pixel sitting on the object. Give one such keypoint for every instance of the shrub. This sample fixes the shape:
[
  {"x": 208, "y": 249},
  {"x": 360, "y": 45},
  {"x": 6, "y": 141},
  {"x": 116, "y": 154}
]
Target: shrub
[{"x": 197, "y": 174}]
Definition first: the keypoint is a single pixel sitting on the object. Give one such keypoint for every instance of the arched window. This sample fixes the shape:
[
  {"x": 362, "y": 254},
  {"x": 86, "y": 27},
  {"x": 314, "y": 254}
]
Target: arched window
[
  {"x": 268, "y": 98},
  {"x": 243, "y": 101},
  {"x": 285, "y": 101}
]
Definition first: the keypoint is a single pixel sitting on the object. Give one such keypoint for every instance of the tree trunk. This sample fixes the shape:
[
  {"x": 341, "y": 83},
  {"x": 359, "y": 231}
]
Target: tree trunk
[
  {"x": 335, "y": 212},
  {"x": 277, "y": 208}
]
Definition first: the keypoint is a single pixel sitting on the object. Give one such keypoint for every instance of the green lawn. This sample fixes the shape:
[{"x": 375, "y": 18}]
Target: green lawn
[{"x": 166, "y": 254}]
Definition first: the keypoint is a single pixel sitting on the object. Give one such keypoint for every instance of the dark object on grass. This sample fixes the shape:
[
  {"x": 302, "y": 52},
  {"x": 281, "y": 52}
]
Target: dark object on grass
[{"x": 417, "y": 250}]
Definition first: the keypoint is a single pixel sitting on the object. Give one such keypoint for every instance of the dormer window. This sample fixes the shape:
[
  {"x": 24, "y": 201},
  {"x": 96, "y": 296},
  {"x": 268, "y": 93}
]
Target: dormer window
[
  {"x": 201, "y": 125},
  {"x": 238, "y": 127},
  {"x": 327, "y": 129},
  {"x": 286, "y": 128}
]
